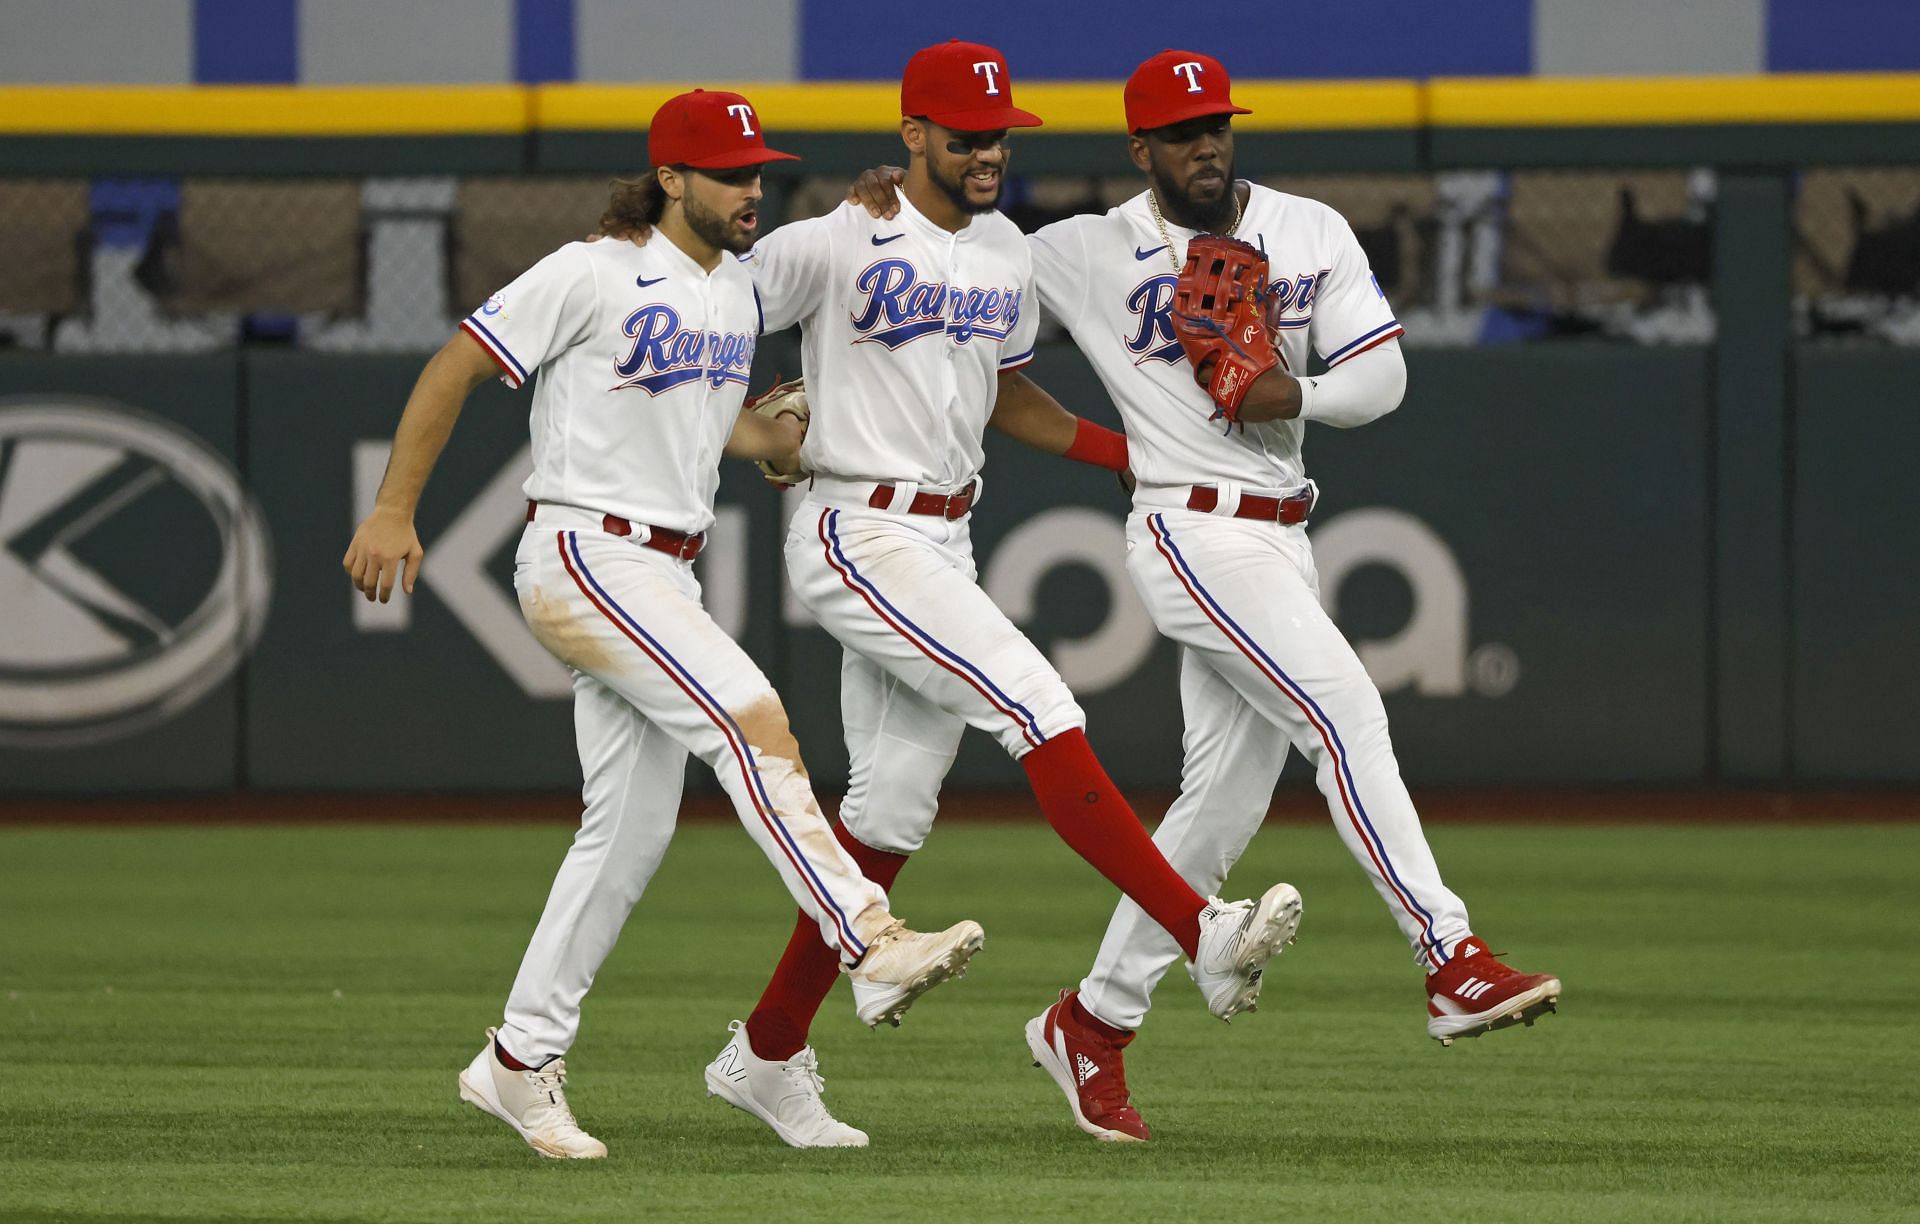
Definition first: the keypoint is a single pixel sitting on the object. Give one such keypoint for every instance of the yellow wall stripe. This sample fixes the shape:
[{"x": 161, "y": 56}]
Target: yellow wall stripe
[
  {"x": 1568, "y": 102},
  {"x": 248, "y": 110},
  {"x": 1066, "y": 106},
  {"x": 860, "y": 106}
]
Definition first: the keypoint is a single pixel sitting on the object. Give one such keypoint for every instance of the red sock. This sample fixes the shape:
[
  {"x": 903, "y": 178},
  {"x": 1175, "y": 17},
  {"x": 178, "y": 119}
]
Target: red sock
[
  {"x": 777, "y": 1029},
  {"x": 509, "y": 1061},
  {"x": 1086, "y": 810},
  {"x": 1118, "y": 1036}
]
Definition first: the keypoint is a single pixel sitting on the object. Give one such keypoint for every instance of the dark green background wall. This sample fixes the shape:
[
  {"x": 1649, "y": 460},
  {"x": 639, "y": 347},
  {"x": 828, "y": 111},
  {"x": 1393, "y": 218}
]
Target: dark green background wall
[{"x": 1574, "y": 487}]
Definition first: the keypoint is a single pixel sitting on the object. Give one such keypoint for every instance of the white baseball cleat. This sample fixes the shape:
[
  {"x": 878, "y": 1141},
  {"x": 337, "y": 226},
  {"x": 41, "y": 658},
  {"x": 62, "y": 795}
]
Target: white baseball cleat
[
  {"x": 901, "y": 965},
  {"x": 784, "y": 1095},
  {"x": 1236, "y": 942},
  {"x": 534, "y": 1103}
]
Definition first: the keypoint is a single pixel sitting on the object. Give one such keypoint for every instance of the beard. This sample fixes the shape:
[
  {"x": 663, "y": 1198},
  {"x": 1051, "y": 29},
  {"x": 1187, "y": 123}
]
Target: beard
[
  {"x": 1208, "y": 216},
  {"x": 955, "y": 189},
  {"x": 713, "y": 229}
]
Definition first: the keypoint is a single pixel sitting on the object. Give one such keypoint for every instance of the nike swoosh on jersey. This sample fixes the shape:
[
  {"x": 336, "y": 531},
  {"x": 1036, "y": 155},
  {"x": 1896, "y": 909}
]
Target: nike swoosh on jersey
[
  {"x": 879, "y": 241},
  {"x": 1140, "y": 254},
  {"x": 644, "y": 283}
]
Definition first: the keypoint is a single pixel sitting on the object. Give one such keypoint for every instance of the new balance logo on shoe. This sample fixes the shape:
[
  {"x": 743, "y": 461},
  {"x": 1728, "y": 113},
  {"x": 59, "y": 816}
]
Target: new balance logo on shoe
[
  {"x": 1473, "y": 988},
  {"x": 728, "y": 1065},
  {"x": 1085, "y": 1068}
]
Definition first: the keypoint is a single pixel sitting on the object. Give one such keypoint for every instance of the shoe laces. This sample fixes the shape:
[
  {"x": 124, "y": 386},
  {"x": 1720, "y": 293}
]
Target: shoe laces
[
  {"x": 884, "y": 936},
  {"x": 551, "y": 1082},
  {"x": 804, "y": 1069},
  {"x": 1110, "y": 1086},
  {"x": 1485, "y": 965},
  {"x": 884, "y": 946},
  {"x": 1489, "y": 965},
  {"x": 803, "y": 1072},
  {"x": 1223, "y": 912}
]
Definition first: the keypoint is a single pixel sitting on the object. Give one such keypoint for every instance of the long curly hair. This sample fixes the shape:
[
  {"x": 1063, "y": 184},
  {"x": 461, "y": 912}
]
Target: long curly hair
[{"x": 634, "y": 208}]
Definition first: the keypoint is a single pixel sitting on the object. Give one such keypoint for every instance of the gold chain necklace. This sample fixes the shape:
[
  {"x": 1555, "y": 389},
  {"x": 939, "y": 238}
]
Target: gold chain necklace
[{"x": 1153, "y": 206}]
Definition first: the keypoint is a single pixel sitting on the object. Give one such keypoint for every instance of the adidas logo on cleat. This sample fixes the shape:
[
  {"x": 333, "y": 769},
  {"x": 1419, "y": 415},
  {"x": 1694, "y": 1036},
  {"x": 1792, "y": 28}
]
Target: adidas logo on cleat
[{"x": 1085, "y": 1068}]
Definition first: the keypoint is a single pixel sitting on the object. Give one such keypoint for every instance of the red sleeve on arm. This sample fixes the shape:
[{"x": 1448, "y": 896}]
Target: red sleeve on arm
[{"x": 1098, "y": 445}]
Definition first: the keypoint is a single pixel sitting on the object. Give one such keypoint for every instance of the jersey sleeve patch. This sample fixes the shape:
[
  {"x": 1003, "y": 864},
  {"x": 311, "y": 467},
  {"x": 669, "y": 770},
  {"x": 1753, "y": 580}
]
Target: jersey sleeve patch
[{"x": 512, "y": 372}]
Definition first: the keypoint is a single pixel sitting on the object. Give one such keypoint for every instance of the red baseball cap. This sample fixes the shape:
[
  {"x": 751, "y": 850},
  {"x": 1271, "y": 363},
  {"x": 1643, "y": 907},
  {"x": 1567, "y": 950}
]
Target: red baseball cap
[
  {"x": 709, "y": 130},
  {"x": 963, "y": 86},
  {"x": 1175, "y": 86}
]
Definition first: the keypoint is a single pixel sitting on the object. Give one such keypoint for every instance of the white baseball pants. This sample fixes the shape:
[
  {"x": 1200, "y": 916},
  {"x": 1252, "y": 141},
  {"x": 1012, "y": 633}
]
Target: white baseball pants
[
  {"x": 655, "y": 679},
  {"x": 1262, "y": 666},
  {"x": 926, "y": 654}
]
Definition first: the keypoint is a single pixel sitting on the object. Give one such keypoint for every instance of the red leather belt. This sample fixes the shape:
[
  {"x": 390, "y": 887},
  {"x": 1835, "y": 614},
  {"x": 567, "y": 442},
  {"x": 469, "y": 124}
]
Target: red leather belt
[
  {"x": 673, "y": 543},
  {"x": 944, "y": 505},
  {"x": 1289, "y": 510}
]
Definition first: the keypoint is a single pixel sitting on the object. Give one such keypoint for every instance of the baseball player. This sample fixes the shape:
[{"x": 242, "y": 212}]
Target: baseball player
[
  {"x": 642, "y": 353},
  {"x": 912, "y": 330},
  {"x": 1218, "y": 550}
]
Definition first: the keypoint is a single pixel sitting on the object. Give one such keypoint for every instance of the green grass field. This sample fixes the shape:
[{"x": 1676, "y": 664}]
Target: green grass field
[{"x": 266, "y": 1023}]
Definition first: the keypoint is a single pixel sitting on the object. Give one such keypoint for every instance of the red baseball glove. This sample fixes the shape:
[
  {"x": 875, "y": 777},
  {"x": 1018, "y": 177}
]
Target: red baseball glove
[{"x": 1219, "y": 320}]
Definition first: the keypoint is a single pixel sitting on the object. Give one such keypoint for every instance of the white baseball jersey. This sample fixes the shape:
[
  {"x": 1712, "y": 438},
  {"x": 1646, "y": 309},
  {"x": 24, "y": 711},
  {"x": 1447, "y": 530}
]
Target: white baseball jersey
[
  {"x": 905, "y": 329},
  {"x": 1262, "y": 665},
  {"x": 1109, "y": 279},
  {"x": 643, "y": 358}
]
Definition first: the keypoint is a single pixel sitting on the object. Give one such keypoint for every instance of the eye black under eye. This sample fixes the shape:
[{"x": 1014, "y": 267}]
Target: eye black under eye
[{"x": 975, "y": 142}]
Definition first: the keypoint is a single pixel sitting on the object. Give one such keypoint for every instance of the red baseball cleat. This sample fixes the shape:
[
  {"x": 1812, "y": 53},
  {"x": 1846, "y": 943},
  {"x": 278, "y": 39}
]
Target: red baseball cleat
[
  {"x": 1473, "y": 994},
  {"x": 1088, "y": 1067}
]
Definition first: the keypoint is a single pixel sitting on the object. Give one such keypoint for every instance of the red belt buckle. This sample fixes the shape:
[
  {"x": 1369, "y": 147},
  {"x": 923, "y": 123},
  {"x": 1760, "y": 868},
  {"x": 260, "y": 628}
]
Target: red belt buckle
[
  {"x": 947, "y": 507},
  {"x": 675, "y": 543},
  {"x": 1289, "y": 511}
]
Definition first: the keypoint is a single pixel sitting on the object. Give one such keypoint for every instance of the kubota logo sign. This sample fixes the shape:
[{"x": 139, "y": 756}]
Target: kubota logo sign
[
  {"x": 103, "y": 632},
  {"x": 1429, "y": 654}
]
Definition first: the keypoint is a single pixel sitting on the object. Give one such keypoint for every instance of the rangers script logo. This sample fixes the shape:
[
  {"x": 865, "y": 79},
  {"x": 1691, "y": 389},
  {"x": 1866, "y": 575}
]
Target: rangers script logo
[
  {"x": 901, "y": 307},
  {"x": 106, "y": 636},
  {"x": 665, "y": 354},
  {"x": 1288, "y": 305}
]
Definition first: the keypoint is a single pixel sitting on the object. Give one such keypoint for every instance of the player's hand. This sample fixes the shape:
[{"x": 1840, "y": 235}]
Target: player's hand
[
  {"x": 383, "y": 545},
  {"x": 878, "y": 191},
  {"x": 792, "y": 431}
]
